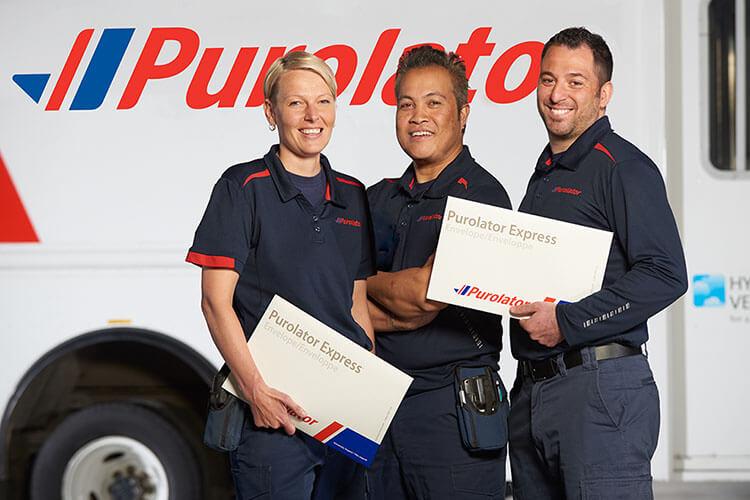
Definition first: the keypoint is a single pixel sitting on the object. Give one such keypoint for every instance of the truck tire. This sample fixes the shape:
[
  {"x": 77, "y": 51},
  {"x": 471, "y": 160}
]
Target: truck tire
[{"x": 118, "y": 451}]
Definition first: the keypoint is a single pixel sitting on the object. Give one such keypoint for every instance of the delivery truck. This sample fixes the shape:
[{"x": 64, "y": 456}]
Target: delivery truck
[{"x": 118, "y": 118}]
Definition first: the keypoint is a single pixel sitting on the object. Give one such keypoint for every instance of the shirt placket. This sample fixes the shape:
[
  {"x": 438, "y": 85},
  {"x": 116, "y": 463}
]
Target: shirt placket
[
  {"x": 403, "y": 226},
  {"x": 315, "y": 218}
]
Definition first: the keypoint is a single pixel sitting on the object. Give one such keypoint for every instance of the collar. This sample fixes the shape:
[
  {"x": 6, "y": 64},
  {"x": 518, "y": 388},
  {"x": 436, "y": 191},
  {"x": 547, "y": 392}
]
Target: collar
[
  {"x": 443, "y": 183},
  {"x": 581, "y": 147},
  {"x": 286, "y": 188}
]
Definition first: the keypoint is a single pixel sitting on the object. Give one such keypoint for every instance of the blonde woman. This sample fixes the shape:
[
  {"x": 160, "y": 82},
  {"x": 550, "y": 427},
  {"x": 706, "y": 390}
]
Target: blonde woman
[{"x": 286, "y": 224}]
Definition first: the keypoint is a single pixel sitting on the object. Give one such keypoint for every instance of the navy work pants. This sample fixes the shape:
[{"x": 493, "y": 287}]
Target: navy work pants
[
  {"x": 589, "y": 432},
  {"x": 422, "y": 457},
  {"x": 270, "y": 465}
]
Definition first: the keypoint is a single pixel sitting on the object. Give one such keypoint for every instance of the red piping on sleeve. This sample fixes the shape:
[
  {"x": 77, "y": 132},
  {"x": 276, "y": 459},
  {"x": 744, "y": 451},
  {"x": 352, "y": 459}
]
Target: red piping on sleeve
[
  {"x": 598, "y": 146},
  {"x": 256, "y": 175},
  {"x": 203, "y": 260},
  {"x": 347, "y": 181}
]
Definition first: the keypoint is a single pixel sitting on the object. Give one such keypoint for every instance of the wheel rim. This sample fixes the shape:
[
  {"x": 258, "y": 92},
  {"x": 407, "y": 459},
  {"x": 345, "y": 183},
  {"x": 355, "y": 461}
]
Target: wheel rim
[{"x": 115, "y": 467}]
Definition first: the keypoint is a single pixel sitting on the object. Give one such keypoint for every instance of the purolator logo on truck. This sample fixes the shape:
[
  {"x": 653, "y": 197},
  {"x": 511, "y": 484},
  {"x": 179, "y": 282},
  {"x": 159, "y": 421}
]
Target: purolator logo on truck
[{"x": 113, "y": 43}]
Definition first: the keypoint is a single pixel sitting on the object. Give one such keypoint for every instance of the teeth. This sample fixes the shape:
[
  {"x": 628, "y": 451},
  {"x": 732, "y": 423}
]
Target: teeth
[
  {"x": 311, "y": 131},
  {"x": 558, "y": 112},
  {"x": 420, "y": 133}
]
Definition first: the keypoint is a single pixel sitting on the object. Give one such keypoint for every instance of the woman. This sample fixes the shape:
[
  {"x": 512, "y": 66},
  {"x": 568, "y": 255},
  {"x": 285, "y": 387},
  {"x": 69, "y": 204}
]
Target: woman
[{"x": 286, "y": 224}]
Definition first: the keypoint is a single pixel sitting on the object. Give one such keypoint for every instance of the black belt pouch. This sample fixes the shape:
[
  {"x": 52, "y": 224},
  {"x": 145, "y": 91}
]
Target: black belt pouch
[
  {"x": 226, "y": 416},
  {"x": 483, "y": 408}
]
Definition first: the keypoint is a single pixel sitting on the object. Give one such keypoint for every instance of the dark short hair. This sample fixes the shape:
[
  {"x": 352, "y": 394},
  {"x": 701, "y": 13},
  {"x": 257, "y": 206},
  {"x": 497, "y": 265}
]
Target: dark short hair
[
  {"x": 573, "y": 38},
  {"x": 425, "y": 56}
]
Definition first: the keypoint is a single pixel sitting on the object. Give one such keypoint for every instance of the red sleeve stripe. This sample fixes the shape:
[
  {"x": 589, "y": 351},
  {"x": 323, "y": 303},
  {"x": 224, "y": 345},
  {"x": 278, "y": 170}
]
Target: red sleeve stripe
[
  {"x": 347, "y": 181},
  {"x": 598, "y": 146},
  {"x": 256, "y": 175},
  {"x": 203, "y": 260}
]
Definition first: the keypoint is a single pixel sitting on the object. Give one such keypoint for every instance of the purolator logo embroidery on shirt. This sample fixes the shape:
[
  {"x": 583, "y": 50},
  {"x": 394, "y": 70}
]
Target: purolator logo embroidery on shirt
[
  {"x": 567, "y": 190},
  {"x": 426, "y": 218},
  {"x": 348, "y": 222}
]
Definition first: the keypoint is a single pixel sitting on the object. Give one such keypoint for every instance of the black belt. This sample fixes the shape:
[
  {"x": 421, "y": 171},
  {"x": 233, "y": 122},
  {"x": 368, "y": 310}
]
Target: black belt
[{"x": 547, "y": 368}]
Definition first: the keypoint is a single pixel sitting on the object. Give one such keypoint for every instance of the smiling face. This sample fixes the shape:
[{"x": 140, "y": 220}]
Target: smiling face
[
  {"x": 569, "y": 95},
  {"x": 428, "y": 122},
  {"x": 304, "y": 110}
]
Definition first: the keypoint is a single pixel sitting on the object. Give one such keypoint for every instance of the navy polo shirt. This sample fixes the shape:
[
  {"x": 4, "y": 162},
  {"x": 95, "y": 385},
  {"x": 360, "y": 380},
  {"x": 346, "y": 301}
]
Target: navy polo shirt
[
  {"x": 605, "y": 182},
  {"x": 259, "y": 224},
  {"x": 407, "y": 224}
]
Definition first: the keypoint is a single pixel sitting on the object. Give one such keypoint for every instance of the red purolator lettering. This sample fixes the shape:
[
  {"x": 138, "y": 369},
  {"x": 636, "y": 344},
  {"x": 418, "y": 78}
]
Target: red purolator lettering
[
  {"x": 346, "y": 64},
  {"x": 146, "y": 68},
  {"x": 495, "y": 87},
  {"x": 256, "y": 95},
  {"x": 374, "y": 69},
  {"x": 388, "y": 93},
  {"x": 472, "y": 50},
  {"x": 198, "y": 96}
]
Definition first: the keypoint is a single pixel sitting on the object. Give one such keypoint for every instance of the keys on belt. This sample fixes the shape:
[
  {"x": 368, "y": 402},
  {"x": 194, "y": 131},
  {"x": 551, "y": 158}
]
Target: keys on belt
[{"x": 547, "y": 368}]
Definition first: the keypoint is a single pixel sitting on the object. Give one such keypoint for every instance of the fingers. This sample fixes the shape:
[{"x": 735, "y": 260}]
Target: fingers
[
  {"x": 289, "y": 426},
  {"x": 287, "y": 401},
  {"x": 272, "y": 411}
]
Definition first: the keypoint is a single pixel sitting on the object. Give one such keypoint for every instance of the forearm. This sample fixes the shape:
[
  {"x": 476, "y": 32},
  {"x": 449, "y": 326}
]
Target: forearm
[
  {"x": 381, "y": 320},
  {"x": 361, "y": 315},
  {"x": 229, "y": 338},
  {"x": 403, "y": 293},
  {"x": 384, "y": 322},
  {"x": 631, "y": 300}
]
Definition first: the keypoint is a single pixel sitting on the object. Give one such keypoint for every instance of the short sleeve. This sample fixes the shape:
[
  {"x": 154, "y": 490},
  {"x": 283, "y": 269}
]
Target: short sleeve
[{"x": 222, "y": 238}]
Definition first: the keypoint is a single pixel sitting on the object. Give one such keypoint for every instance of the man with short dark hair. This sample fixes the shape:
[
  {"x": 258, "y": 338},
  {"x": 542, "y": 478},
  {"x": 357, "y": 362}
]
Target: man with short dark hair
[
  {"x": 422, "y": 455},
  {"x": 584, "y": 418}
]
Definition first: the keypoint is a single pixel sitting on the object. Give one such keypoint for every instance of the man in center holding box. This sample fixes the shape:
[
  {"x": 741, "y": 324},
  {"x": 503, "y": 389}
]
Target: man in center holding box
[{"x": 435, "y": 448}]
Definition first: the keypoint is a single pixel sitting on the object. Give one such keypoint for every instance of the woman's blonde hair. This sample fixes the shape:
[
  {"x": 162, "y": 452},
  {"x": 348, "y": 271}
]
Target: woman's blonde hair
[{"x": 297, "y": 60}]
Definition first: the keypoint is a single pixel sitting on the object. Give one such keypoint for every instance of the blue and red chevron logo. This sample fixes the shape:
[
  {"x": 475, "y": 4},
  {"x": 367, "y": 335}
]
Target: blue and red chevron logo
[{"x": 96, "y": 80}]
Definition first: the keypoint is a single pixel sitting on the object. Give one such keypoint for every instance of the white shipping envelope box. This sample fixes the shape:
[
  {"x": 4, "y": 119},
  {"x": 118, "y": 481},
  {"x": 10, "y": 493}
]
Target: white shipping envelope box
[
  {"x": 490, "y": 258},
  {"x": 350, "y": 395}
]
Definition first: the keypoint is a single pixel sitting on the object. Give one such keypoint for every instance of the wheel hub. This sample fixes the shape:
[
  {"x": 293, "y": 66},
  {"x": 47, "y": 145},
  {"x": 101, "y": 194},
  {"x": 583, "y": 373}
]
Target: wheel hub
[{"x": 115, "y": 467}]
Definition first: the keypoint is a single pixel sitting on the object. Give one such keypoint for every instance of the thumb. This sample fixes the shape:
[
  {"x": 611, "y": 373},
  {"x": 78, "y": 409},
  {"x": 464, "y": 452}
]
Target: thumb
[{"x": 523, "y": 309}]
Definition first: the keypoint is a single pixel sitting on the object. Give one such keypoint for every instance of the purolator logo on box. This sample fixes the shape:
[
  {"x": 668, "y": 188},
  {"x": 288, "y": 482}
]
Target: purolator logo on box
[
  {"x": 113, "y": 43},
  {"x": 475, "y": 292}
]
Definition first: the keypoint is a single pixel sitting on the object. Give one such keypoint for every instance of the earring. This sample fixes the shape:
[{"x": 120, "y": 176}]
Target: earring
[{"x": 271, "y": 127}]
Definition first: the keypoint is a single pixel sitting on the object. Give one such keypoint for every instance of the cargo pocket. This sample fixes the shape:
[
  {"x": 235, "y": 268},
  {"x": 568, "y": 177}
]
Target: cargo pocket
[
  {"x": 479, "y": 480},
  {"x": 629, "y": 402},
  {"x": 626, "y": 482},
  {"x": 252, "y": 483}
]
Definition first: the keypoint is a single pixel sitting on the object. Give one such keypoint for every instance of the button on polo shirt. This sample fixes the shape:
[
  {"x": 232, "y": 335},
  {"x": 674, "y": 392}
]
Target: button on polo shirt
[
  {"x": 605, "y": 182},
  {"x": 261, "y": 226},
  {"x": 407, "y": 223}
]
